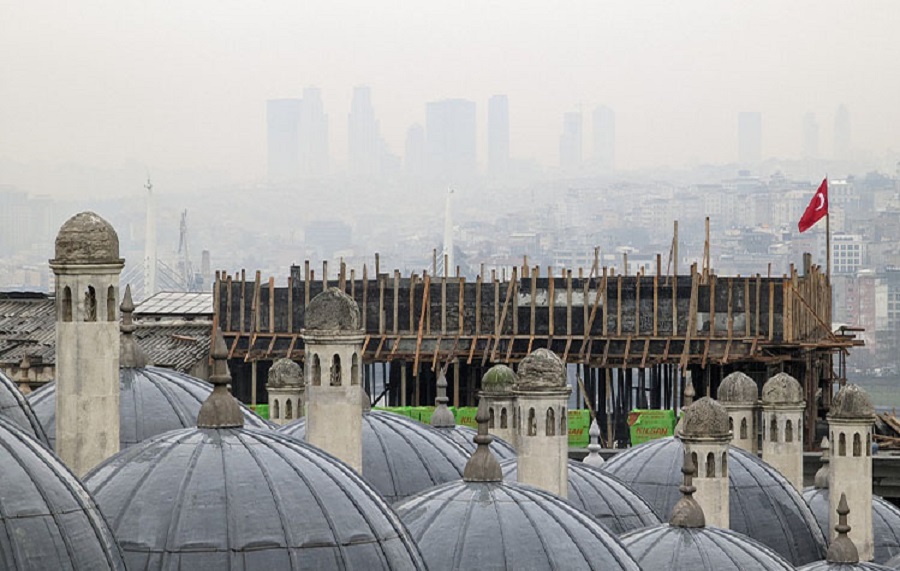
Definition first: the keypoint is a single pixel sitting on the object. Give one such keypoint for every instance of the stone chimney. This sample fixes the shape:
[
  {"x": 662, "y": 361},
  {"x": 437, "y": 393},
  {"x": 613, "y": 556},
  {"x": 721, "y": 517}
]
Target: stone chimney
[
  {"x": 497, "y": 390},
  {"x": 739, "y": 395},
  {"x": 333, "y": 338},
  {"x": 542, "y": 440},
  {"x": 850, "y": 423},
  {"x": 286, "y": 391},
  {"x": 87, "y": 267},
  {"x": 706, "y": 436},
  {"x": 782, "y": 414}
]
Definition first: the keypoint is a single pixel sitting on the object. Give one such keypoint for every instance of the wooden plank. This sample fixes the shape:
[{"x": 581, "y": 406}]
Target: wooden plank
[
  {"x": 645, "y": 354},
  {"x": 365, "y": 296},
  {"x": 437, "y": 349},
  {"x": 234, "y": 346},
  {"x": 477, "y": 306},
  {"x": 666, "y": 350},
  {"x": 472, "y": 349},
  {"x": 365, "y": 344},
  {"x": 771, "y": 331},
  {"x": 605, "y": 358},
  {"x": 675, "y": 290},
  {"x": 380, "y": 279},
  {"x": 692, "y": 317},
  {"x": 705, "y": 354},
  {"x": 421, "y": 330},
  {"x": 566, "y": 352},
  {"x": 271, "y": 304},
  {"x": 637, "y": 304},
  {"x": 534, "y": 276},
  {"x": 758, "y": 287},
  {"x": 619, "y": 305},
  {"x": 551, "y": 299},
  {"x": 498, "y": 329},
  {"x": 601, "y": 291},
  {"x": 730, "y": 318},
  {"x": 627, "y": 352},
  {"x": 394, "y": 347},
  {"x": 306, "y": 280},
  {"x": 229, "y": 326},
  {"x": 380, "y": 345},
  {"x": 727, "y": 351},
  {"x": 242, "y": 307},
  {"x": 712, "y": 304},
  {"x": 412, "y": 300},
  {"x": 512, "y": 343},
  {"x": 461, "y": 320},
  {"x": 656, "y": 299},
  {"x": 443, "y": 303},
  {"x": 257, "y": 284},
  {"x": 747, "y": 307},
  {"x": 290, "y": 304},
  {"x": 569, "y": 304},
  {"x": 290, "y": 352}
]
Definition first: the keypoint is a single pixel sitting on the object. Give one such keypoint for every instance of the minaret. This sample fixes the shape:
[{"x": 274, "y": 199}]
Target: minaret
[
  {"x": 497, "y": 387},
  {"x": 150, "y": 264},
  {"x": 594, "y": 458},
  {"x": 131, "y": 355},
  {"x": 542, "y": 442},
  {"x": 483, "y": 465},
  {"x": 739, "y": 395},
  {"x": 782, "y": 423},
  {"x": 286, "y": 391},
  {"x": 333, "y": 339},
  {"x": 87, "y": 267},
  {"x": 706, "y": 435},
  {"x": 850, "y": 432}
]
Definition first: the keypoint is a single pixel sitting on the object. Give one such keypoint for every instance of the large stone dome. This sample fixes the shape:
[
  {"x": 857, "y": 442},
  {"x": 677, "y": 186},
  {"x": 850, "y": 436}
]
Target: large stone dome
[
  {"x": 245, "y": 499},
  {"x": 782, "y": 389},
  {"x": 738, "y": 389},
  {"x": 15, "y": 408},
  {"x": 602, "y": 496},
  {"x": 762, "y": 504},
  {"x": 700, "y": 549},
  {"x": 152, "y": 400},
  {"x": 401, "y": 456},
  {"x": 86, "y": 238},
  {"x": 502, "y": 525},
  {"x": 332, "y": 310},
  {"x": 542, "y": 369},
  {"x": 885, "y": 521},
  {"x": 49, "y": 519}
]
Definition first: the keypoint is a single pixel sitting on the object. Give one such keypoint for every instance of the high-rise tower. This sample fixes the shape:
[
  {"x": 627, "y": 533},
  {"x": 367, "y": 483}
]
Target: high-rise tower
[
  {"x": 313, "y": 134},
  {"x": 362, "y": 134},
  {"x": 450, "y": 140},
  {"x": 604, "y": 139},
  {"x": 498, "y": 135},
  {"x": 283, "y": 139},
  {"x": 570, "y": 142}
]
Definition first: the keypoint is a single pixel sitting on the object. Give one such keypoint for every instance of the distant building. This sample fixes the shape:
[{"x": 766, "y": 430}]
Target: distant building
[
  {"x": 848, "y": 253},
  {"x": 570, "y": 142},
  {"x": 414, "y": 157},
  {"x": 283, "y": 139},
  {"x": 450, "y": 140},
  {"x": 842, "y": 133},
  {"x": 313, "y": 134},
  {"x": 363, "y": 136},
  {"x": 498, "y": 135},
  {"x": 810, "y": 136},
  {"x": 604, "y": 138},
  {"x": 749, "y": 138}
]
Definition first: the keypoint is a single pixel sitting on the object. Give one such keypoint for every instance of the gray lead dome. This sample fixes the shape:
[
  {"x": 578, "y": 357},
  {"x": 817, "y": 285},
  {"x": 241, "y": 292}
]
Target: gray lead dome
[
  {"x": 700, "y": 549},
  {"x": 15, "y": 408},
  {"x": 603, "y": 496},
  {"x": 401, "y": 456},
  {"x": 495, "y": 525},
  {"x": 762, "y": 504},
  {"x": 738, "y": 388},
  {"x": 49, "y": 519},
  {"x": 244, "y": 499},
  {"x": 152, "y": 400}
]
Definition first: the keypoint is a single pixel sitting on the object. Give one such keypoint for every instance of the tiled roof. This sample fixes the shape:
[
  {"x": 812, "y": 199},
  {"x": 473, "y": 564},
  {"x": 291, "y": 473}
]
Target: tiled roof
[
  {"x": 175, "y": 345},
  {"x": 176, "y": 303}
]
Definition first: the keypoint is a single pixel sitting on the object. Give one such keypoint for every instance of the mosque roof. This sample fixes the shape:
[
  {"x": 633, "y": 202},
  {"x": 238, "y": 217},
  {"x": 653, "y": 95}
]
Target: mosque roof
[
  {"x": 885, "y": 521},
  {"x": 152, "y": 400},
  {"x": 15, "y": 408},
  {"x": 49, "y": 519},
  {"x": 763, "y": 505},
  {"x": 601, "y": 495},
  {"x": 401, "y": 456},
  {"x": 242, "y": 499}
]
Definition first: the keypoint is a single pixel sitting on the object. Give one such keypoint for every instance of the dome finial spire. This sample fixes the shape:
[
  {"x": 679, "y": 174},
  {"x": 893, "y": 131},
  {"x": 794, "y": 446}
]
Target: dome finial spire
[
  {"x": 220, "y": 409},
  {"x": 689, "y": 392},
  {"x": 687, "y": 512},
  {"x": 483, "y": 465},
  {"x": 130, "y": 353},
  {"x": 442, "y": 417},
  {"x": 842, "y": 549},
  {"x": 593, "y": 458},
  {"x": 821, "y": 481}
]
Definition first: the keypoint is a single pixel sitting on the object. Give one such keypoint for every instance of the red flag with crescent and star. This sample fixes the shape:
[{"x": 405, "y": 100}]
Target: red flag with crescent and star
[{"x": 817, "y": 208}]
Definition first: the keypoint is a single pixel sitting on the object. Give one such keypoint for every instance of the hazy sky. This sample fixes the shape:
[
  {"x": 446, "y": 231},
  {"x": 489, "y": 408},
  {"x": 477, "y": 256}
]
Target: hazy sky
[{"x": 183, "y": 84}]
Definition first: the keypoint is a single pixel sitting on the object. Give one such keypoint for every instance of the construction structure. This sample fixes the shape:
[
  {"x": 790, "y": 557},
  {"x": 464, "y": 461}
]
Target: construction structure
[{"x": 628, "y": 340}]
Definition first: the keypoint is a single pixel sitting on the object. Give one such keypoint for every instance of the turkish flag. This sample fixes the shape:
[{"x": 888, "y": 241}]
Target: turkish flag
[{"x": 817, "y": 208}]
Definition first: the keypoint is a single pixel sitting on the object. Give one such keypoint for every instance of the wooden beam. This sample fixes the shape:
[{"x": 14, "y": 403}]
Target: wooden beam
[
  {"x": 646, "y": 353},
  {"x": 472, "y": 349},
  {"x": 421, "y": 325},
  {"x": 692, "y": 317},
  {"x": 365, "y": 297},
  {"x": 498, "y": 329}
]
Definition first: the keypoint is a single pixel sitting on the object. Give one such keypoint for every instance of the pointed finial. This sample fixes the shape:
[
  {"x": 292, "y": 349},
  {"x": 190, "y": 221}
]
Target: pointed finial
[
  {"x": 366, "y": 402},
  {"x": 821, "y": 481},
  {"x": 594, "y": 458},
  {"x": 689, "y": 392},
  {"x": 130, "y": 353},
  {"x": 220, "y": 409},
  {"x": 483, "y": 465},
  {"x": 442, "y": 416},
  {"x": 687, "y": 512},
  {"x": 842, "y": 549}
]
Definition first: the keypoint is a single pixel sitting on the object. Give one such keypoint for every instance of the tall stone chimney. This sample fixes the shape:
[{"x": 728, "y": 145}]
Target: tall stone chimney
[
  {"x": 87, "y": 267},
  {"x": 497, "y": 386},
  {"x": 739, "y": 395},
  {"x": 782, "y": 414},
  {"x": 706, "y": 436}
]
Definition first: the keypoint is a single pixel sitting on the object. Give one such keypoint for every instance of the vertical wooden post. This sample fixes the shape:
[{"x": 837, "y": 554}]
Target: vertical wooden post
[
  {"x": 306, "y": 284},
  {"x": 551, "y": 299},
  {"x": 271, "y": 304}
]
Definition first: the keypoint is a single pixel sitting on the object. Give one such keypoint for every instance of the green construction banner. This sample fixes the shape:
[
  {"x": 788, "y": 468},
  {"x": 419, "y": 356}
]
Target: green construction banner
[
  {"x": 579, "y": 424},
  {"x": 647, "y": 424}
]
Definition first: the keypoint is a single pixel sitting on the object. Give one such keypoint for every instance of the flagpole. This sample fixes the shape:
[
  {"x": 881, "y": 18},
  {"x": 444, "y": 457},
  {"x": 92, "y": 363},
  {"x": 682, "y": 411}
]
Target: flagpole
[{"x": 828, "y": 239}]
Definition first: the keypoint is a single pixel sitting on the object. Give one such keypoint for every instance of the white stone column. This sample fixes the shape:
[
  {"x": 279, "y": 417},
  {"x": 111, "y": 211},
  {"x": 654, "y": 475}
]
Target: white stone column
[
  {"x": 497, "y": 391},
  {"x": 782, "y": 427},
  {"x": 542, "y": 440},
  {"x": 87, "y": 268},
  {"x": 850, "y": 423},
  {"x": 739, "y": 395},
  {"x": 334, "y": 394},
  {"x": 706, "y": 436}
]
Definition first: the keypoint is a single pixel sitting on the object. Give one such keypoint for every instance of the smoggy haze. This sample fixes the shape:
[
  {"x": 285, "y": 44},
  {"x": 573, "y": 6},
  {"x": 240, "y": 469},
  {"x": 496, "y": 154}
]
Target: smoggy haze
[{"x": 183, "y": 85}]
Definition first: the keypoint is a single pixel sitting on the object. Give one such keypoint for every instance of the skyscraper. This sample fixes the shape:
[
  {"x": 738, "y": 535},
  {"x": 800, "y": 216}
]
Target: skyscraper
[
  {"x": 363, "y": 137},
  {"x": 842, "y": 133},
  {"x": 810, "y": 136},
  {"x": 313, "y": 134},
  {"x": 570, "y": 142},
  {"x": 414, "y": 158},
  {"x": 283, "y": 139},
  {"x": 498, "y": 135},
  {"x": 749, "y": 138},
  {"x": 605, "y": 138},
  {"x": 450, "y": 140}
]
